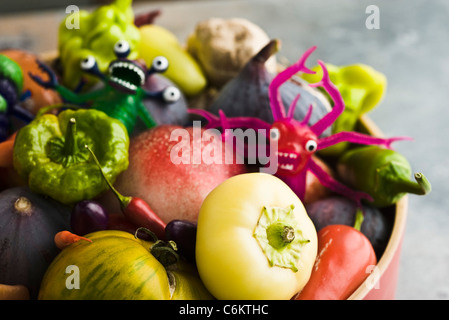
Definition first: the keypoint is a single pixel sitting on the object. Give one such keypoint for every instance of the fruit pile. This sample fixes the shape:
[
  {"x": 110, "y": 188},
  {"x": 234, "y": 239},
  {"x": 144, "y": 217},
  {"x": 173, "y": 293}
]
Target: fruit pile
[{"x": 116, "y": 181}]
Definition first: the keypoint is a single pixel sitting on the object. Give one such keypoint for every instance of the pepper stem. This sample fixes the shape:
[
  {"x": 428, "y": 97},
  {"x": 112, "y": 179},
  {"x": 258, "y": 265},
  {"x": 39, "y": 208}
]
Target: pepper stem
[
  {"x": 280, "y": 237},
  {"x": 359, "y": 217},
  {"x": 70, "y": 145},
  {"x": 421, "y": 186},
  {"x": 124, "y": 201},
  {"x": 65, "y": 149}
]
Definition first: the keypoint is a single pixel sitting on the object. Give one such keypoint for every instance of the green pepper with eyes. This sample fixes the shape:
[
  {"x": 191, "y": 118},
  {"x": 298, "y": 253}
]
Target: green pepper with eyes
[
  {"x": 382, "y": 173},
  {"x": 49, "y": 153},
  {"x": 95, "y": 34},
  {"x": 361, "y": 87}
]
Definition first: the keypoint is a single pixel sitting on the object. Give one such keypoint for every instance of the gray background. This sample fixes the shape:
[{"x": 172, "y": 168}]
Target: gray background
[{"x": 410, "y": 48}]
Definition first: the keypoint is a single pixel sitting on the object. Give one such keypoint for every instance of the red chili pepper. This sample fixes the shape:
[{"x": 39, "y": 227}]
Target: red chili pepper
[
  {"x": 135, "y": 209},
  {"x": 344, "y": 257}
]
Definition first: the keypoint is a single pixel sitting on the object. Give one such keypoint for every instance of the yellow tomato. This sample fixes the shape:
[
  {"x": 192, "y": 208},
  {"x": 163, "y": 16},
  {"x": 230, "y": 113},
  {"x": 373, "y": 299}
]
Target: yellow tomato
[
  {"x": 118, "y": 266},
  {"x": 254, "y": 239}
]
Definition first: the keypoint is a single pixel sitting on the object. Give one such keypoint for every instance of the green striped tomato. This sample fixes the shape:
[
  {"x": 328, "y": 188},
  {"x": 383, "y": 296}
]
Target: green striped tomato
[{"x": 114, "y": 266}]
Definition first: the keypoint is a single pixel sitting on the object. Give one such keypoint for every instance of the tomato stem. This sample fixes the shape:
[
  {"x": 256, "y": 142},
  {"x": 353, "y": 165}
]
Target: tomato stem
[{"x": 164, "y": 252}]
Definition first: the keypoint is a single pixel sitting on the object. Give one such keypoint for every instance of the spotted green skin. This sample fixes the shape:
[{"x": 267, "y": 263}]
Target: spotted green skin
[{"x": 106, "y": 136}]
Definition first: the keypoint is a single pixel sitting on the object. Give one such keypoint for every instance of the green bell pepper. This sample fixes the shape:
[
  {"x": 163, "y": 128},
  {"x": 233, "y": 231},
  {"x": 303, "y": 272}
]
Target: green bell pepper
[
  {"x": 382, "y": 173},
  {"x": 49, "y": 153},
  {"x": 96, "y": 36},
  {"x": 362, "y": 88}
]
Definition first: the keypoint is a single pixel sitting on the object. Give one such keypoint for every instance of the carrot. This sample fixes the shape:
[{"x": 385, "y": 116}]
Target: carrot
[
  {"x": 6, "y": 151},
  {"x": 65, "y": 238},
  {"x": 14, "y": 292}
]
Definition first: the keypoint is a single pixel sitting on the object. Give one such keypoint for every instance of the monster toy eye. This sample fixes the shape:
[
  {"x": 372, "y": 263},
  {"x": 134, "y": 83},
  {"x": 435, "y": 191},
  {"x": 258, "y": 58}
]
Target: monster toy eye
[
  {"x": 274, "y": 134},
  {"x": 88, "y": 63},
  {"x": 159, "y": 64},
  {"x": 122, "y": 49},
  {"x": 311, "y": 145},
  {"x": 171, "y": 94}
]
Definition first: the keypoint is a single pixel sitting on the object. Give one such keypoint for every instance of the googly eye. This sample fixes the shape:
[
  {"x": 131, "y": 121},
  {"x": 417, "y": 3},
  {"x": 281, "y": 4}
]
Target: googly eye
[
  {"x": 160, "y": 64},
  {"x": 274, "y": 134},
  {"x": 88, "y": 63},
  {"x": 171, "y": 94},
  {"x": 122, "y": 48},
  {"x": 311, "y": 146}
]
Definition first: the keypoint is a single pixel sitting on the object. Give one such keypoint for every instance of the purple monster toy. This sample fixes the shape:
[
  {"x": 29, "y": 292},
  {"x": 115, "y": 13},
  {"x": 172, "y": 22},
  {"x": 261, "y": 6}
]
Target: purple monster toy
[{"x": 296, "y": 141}]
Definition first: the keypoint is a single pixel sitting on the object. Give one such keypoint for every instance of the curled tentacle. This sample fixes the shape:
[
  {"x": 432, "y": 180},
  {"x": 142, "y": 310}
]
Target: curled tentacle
[
  {"x": 277, "y": 106},
  {"x": 51, "y": 83},
  {"x": 359, "y": 138},
  {"x": 339, "y": 105},
  {"x": 306, "y": 119},
  {"x": 213, "y": 121},
  {"x": 236, "y": 122},
  {"x": 291, "y": 110}
]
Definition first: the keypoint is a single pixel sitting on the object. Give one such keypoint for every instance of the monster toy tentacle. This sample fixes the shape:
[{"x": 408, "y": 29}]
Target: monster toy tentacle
[
  {"x": 356, "y": 137},
  {"x": 65, "y": 93},
  {"x": 327, "y": 181},
  {"x": 277, "y": 106},
  {"x": 214, "y": 121},
  {"x": 291, "y": 110},
  {"x": 339, "y": 105},
  {"x": 225, "y": 123},
  {"x": 52, "y": 81}
]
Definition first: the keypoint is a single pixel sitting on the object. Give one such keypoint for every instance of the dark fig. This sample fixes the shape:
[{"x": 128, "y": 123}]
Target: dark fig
[
  {"x": 340, "y": 210},
  {"x": 246, "y": 95},
  {"x": 28, "y": 224}
]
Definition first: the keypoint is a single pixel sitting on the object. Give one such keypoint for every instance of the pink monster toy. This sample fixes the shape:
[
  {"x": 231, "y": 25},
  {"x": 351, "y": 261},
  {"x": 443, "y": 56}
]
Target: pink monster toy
[{"x": 297, "y": 141}]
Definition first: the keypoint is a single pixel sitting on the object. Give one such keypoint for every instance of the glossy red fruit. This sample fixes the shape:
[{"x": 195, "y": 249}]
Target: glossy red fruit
[{"x": 173, "y": 190}]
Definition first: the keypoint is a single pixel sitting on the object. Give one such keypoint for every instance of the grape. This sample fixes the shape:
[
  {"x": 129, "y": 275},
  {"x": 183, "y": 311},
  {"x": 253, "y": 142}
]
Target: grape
[
  {"x": 88, "y": 216},
  {"x": 183, "y": 232}
]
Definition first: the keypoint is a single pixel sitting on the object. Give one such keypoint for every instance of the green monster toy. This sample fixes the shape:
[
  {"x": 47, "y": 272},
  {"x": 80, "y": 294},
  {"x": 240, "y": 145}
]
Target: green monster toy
[
  {"x": 122, "y": 94},
  {"x": 83, "y": 34}
]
